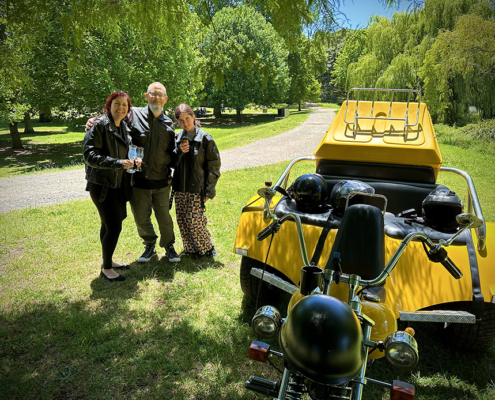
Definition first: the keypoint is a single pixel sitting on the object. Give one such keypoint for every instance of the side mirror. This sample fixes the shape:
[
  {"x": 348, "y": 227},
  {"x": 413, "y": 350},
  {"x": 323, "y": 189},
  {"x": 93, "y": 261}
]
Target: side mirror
[
  {"x": 266, "y": 193},
  {"x": 469, "y": 219}
]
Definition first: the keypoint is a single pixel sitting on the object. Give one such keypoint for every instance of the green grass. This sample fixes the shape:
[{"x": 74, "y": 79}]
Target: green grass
[
  {"x": 52, "y": 148},
  {"x": 178, "y": 331},
  {"x": 329, "y": 105}
]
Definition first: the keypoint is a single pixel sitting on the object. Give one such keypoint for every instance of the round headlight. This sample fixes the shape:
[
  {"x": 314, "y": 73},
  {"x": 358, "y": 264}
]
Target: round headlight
[
  {"x": 401, "y": 350},
  {"x": 266, "y": 322}
]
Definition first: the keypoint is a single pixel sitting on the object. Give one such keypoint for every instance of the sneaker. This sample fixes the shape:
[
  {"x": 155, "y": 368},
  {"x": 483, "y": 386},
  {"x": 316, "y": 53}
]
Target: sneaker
[
  {"x": 211, "y": 253},
  {"x": 149, "y": 253},
  {"x": 171, "y": 254}
]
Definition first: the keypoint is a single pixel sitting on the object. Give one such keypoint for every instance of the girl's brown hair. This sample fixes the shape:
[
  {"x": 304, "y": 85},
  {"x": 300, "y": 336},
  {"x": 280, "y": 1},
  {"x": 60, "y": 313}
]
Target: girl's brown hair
[{"x": 185, "y": 109}]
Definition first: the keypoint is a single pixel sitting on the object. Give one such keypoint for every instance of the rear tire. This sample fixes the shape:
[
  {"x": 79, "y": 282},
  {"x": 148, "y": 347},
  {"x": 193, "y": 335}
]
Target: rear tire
[
  {"x": 250, "y": 284},
  {"x": 479, "y": 336}
]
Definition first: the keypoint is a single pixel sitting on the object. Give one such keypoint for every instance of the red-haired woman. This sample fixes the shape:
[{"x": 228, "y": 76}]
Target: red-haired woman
[
  {"x": 105, "y": 150},
  {"x": 195, "y": 177}
]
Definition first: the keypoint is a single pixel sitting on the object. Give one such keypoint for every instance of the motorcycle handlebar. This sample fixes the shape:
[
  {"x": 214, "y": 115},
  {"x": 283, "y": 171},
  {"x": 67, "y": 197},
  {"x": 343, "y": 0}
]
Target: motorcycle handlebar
[{"x": 452, "y": 268}]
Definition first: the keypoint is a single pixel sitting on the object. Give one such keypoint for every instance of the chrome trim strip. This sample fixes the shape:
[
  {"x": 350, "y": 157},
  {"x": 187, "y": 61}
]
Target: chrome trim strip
[
  {"x": 274, "y": 280},
  {"x": 473, "y": 203},
  {"x": 456, "y": 317}
]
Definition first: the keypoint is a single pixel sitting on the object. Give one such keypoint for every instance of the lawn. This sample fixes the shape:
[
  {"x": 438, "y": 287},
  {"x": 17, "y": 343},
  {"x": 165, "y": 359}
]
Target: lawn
[
  {"x": 52, "y": 148},
  {"x": 178, "y": 331}
]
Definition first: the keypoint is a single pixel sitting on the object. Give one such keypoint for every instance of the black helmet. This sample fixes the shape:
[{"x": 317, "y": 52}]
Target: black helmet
[
  {"x": 322, "y": 339},
  {"x": 440, "y": 209},
  {"x": 342, "y": 190},
  {"x": 310, "y": 192}
]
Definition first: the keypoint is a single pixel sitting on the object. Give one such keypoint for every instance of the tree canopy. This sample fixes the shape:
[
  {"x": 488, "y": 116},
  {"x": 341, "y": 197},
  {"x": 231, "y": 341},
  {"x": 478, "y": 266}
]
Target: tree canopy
[
  {"x": 261, "y": 78},
  {"x": 444, "y": 49}
]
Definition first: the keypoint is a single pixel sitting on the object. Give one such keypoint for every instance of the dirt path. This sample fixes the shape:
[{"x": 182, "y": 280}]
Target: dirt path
[{"x": 59, "y": 187}]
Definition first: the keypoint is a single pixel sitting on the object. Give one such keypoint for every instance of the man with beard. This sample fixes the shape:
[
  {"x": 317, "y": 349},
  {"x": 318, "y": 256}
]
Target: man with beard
[{"x": 153, "y": 130}]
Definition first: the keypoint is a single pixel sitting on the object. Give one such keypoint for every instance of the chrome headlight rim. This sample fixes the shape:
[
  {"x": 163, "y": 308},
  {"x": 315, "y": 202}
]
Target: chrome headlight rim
[
  {"x": 269, "y": 317},
  {"x": 403, "y": 339}
]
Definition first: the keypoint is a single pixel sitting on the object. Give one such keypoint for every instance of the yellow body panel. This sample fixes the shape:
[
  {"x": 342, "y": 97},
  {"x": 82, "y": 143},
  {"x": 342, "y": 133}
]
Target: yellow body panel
[
  {"x": 382, "y": 141},
  {"x": 414, "y": 284}
]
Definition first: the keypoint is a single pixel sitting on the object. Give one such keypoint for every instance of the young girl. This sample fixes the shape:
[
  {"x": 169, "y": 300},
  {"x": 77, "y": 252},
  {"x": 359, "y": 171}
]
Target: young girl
[{"x": 195, "y": 177}]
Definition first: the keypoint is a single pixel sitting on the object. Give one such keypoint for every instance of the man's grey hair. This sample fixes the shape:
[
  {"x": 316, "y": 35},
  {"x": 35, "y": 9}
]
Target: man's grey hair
[{"x": 157, "y": 83}]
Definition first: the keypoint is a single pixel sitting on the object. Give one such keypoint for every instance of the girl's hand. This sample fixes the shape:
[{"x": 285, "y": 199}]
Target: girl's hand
[{"x": 184, "y": 146}]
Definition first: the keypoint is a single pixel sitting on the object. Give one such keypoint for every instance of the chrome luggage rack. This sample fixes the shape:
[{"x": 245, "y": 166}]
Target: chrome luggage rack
[{"x": 354, "y": 123}]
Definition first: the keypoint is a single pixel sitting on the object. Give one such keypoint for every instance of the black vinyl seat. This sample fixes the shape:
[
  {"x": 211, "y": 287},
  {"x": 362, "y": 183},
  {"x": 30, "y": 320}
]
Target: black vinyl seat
[{"x": 360, "y": 241}]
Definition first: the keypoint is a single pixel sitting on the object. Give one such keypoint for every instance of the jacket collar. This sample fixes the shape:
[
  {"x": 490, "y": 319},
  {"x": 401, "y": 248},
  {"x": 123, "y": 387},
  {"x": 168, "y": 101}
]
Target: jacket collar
[
  {"x": 196, "y": 138},
  {"x": 112, "y": 128}
]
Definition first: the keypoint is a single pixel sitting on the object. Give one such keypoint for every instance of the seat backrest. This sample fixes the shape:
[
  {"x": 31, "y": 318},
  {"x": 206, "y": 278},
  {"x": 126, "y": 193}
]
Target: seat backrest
[{"x": 360, "y": 241}]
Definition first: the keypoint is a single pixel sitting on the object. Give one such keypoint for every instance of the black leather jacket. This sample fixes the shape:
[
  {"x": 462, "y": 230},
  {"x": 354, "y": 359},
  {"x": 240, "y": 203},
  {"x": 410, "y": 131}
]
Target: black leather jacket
[
  {"x": 156, "y": 136},
  {"x": 198, "y": 170},
  {"x": 103, "y": 151}
]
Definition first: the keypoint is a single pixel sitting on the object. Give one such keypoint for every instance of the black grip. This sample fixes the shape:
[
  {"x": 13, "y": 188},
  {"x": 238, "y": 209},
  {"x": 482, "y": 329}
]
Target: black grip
[
  {"x": 452, "y": 268},
  {"x": 273, "y": 227},
  {"x": 441, "y": 256}
]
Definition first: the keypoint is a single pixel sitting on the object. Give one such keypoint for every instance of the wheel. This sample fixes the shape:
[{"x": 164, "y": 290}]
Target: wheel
[
  {"x": 250, "y": 284},
  {"x": 479, "y": 336}
]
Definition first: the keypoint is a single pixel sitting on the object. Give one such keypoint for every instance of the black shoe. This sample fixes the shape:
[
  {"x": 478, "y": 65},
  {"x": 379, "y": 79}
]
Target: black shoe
[
  {"x": 190, "y": 254},
  {"x": 171, "y": 254},
  {"x": 149, "y": 253},
  {"x": 116, "y": 279},
  {"x": 123, "y": 266},
  {"x": 211, "y": 253}
]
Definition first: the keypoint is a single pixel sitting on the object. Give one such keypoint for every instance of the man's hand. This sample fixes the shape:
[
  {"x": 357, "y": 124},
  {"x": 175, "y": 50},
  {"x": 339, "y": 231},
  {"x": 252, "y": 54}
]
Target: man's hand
[
  {"x": 90, "y": 123},
  {"x": 128, "y": 164},
  {"x": 206, "y": 199},
  {"x": 139, "y": 161}
]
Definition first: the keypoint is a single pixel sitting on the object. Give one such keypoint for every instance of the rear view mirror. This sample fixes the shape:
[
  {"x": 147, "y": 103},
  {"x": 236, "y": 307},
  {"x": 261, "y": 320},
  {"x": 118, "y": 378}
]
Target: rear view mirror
[
  {"x": 266, "y": 193},
  {"x": 467, "y": 219}
]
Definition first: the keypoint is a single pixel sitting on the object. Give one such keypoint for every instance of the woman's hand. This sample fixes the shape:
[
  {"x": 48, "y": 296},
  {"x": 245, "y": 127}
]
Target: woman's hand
[
  {"x": 128, "y": 164},
  {"x": 184, "y": 146}
]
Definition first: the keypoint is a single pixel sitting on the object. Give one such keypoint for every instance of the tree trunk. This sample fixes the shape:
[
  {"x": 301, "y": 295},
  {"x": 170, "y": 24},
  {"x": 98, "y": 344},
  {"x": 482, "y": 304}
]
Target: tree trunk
[
  {"x": 46, "y": 114},
  {"x": 217, "y": 111},
  {"x": 238, "y": 114},
  {"x": 16, "y": 137},
  {"x": 28, "y": 127},
  {"x": 299, "y": 105}
]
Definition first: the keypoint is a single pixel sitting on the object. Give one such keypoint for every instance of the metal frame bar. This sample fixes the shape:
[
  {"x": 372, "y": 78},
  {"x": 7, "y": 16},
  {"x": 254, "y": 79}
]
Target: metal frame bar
[
  {"x": 392, "y": 91},
  {"x": 473, "y": 203}
]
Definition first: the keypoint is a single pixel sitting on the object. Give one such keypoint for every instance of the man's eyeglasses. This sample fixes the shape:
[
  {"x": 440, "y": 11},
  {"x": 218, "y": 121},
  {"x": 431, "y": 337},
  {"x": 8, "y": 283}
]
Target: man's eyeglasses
[{"x": 159, "y": 95}]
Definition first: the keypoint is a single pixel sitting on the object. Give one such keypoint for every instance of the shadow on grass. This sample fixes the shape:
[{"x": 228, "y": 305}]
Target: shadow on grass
[
  {"x": 111, "y": 350},
  {"x": 38, "y": 157}
]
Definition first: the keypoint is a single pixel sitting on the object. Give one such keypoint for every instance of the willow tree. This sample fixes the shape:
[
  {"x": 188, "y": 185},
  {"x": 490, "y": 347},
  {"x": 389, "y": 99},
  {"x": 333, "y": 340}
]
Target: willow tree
[
  {"x": 459, "y": 69},
  {"x": 403, "y": 53}
]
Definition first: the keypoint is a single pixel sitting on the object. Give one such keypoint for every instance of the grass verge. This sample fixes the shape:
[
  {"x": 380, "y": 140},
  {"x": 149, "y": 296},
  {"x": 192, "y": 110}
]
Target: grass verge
[
  {"x": 52, "y": 148},
  {"x": 178, "y": 331}
]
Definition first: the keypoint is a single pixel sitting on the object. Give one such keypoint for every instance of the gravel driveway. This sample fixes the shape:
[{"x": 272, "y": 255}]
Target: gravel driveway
[{"x": 59, "y": 187}]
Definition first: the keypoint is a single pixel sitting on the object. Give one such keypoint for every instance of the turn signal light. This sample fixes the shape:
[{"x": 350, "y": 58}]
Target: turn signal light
[
  {"x": 259, "y": 351},
  {"x": 410, "y": 330},
  {"x": 402, "y": 391}
]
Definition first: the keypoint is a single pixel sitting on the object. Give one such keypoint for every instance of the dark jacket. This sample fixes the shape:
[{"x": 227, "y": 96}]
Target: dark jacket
[
  {"x": 103, "y": 151},
  {"x": 156, "y": 136},
  {"x": 197, "y": 170}
]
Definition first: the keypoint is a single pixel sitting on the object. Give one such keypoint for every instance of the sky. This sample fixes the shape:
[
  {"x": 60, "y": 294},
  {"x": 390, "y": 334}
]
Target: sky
[{"x": 359, "y": 11}]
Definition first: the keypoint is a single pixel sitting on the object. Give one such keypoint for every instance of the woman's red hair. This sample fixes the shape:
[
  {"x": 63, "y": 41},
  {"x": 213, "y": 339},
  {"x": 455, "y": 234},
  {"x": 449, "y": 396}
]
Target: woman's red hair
[{"x": 114, "y": 95}]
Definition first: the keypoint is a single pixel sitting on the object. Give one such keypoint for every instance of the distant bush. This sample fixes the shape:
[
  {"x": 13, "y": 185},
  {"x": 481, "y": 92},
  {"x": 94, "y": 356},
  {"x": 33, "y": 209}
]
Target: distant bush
[{"x": 479, "y": 136}]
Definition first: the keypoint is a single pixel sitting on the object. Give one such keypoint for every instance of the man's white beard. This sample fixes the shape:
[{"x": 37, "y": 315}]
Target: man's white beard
[{"x": 156, "y": 108}]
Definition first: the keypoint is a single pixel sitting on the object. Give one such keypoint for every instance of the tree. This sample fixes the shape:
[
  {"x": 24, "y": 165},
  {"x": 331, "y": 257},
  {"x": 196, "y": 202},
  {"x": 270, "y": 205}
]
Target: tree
[
  {"x": 426, "y": 50},
  {"x": 467, "y": 54},
  {"x": 305, "y": 64},
  {"x": 260, "y": 77}
]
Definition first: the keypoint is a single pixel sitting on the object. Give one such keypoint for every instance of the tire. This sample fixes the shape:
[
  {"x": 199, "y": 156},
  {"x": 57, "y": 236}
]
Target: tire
[
  {"x": 250, "y": 284},
  {"x": 479, "y": 336}
]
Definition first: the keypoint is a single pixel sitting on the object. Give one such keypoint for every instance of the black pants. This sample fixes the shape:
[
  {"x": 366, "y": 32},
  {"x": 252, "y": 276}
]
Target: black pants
[{"x": 112, "y": 212}]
